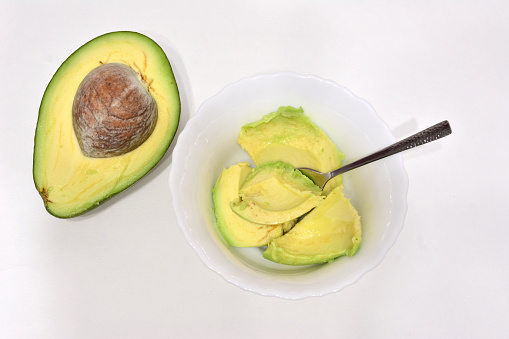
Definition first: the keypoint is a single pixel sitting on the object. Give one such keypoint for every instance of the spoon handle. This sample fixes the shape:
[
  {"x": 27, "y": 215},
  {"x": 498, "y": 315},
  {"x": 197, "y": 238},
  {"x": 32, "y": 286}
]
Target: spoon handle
[{"x": 430, "y": 134}]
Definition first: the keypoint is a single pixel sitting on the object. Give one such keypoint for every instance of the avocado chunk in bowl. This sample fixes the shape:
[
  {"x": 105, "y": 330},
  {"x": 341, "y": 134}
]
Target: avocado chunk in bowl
[
  {"x": 331, "y": 230},
  {"x": 290, "y": 136},
  {"x": 236, "y": 230},
  {"x": 275, "y": 192}
]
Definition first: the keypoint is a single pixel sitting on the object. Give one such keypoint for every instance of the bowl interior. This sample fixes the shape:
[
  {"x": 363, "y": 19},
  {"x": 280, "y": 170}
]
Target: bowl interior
[{"x": 209, "y": 143}]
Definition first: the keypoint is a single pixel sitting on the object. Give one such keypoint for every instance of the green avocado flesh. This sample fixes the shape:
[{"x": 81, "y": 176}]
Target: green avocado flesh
[
  {"x": 275, "y": 192},
  {"x": 137, "y": 129},
  {"x": 276, "y": 205},
  {"x": 288, "y": 135},
  {"x": 331, "y": 230},
  {"x": 236, "y": 230}
]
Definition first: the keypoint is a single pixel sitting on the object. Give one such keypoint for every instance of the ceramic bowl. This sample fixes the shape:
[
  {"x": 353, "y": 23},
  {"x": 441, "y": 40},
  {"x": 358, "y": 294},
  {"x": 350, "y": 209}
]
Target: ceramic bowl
[{"x": 208, "y": 143}]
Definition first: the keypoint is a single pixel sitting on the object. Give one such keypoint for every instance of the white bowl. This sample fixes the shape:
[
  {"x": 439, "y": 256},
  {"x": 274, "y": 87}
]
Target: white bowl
[{"x": 208, "y": 144}]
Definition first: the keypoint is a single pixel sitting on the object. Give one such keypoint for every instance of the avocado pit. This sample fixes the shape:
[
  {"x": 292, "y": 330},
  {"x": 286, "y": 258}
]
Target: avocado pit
[{"x": 113, "y": 113}]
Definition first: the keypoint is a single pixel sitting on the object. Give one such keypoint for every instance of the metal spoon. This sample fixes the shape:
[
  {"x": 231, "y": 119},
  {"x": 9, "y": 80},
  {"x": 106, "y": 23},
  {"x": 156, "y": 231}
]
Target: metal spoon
[{"x": 432, "y": 133}]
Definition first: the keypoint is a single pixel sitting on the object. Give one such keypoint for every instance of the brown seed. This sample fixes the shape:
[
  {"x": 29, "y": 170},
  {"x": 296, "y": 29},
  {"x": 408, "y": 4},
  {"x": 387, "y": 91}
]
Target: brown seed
[{"x": 113, "y": 113}]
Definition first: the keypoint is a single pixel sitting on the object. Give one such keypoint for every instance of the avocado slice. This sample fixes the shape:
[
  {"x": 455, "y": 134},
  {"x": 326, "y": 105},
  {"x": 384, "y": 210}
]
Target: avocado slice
[
  {"x": 107, "y": 117},
  {"x": 331, "y": 230},
  {"x": 237, "y": 231},
  {"x": 275, "y": 192},
  {"x": 288, "y": 135}
]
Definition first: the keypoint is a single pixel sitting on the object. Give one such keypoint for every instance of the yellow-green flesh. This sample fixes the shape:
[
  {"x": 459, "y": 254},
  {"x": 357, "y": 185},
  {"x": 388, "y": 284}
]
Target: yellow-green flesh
[
  {"x": 274, "y": 193},
  {"x": 236, "y": 230},
  {"x": 330, "y": 230},
  {"x": 288, "y": 135}
]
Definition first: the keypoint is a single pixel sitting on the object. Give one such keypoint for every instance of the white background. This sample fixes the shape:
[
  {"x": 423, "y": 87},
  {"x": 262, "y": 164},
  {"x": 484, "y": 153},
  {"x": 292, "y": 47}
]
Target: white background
[{"x": 124, "y": 270}]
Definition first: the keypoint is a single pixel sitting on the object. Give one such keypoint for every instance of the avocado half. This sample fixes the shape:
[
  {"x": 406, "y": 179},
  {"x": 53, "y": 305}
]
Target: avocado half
[{"x": 70, "y": 182}]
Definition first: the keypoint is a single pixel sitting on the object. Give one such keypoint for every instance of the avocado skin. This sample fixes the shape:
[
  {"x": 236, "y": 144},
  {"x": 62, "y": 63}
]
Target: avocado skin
[{"x": 42, "y": 154}]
